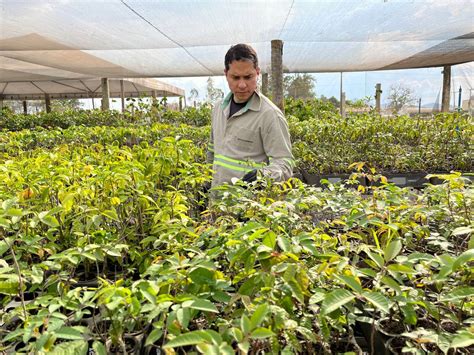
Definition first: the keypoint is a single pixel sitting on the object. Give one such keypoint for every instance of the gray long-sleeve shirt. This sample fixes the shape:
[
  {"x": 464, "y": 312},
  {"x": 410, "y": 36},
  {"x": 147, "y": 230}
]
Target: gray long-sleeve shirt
[{"x": 256, "y": 137}]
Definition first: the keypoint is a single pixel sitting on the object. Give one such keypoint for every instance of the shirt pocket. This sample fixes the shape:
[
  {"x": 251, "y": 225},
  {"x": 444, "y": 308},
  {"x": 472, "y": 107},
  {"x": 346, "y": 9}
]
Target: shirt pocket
[{"x": 244, "y": 140}]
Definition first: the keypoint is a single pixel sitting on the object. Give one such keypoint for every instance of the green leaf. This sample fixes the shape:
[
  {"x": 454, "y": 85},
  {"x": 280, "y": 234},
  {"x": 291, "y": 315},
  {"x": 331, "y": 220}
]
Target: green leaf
[
  {"x": 154, "y": 335},
  {"x": 350, "y": 281},
  {"x": 244, "y": 346},
  {"x": 285, "y": 244},
  {"x": 317, "y": 297},
  {"x": 14, "y": 212},
  {"x": 387, "y": 280},
  {"x": 462, "y": 340},
  {"x": 409, "y": 313},
  {"x": 404, "y": 269},
  {"x": 14, "y": 334},
  {"x": 9, "y": 286},
  {"x": 112, "y": 214},
  {"x": 458, "y": 293},
  {"x": 50, "y": 221},
  {"x": 183, "y": 316},
  {"x": 261, "y": 333},
  {"x": 70, "y": 348},
  {"x": 99, "y": 348},
  {"x": 269, "y": 239},
  {"x": 392, "y": 249},
  {"x": 4, "y": 245},
  {"x": 258, "y": 316},
  {"x": 237, "y": 334},
  {"x": 463, "y": 259},
  {"x": 201, "y": 304},
  {"x": 202, "y": 276},
  {"x": 462, "y": 230},
  {"x": 191, "y": 338},
  {"x": 245, "y": 324},
  {"x": 376, "y": 258},
  {"x": 5, "y": 223},
  {"x": 248, "y": 286},
  {"x": 68, "y": 333},
  {"x": 378, "y": 300},
  {"x": 336, "y": 299}
]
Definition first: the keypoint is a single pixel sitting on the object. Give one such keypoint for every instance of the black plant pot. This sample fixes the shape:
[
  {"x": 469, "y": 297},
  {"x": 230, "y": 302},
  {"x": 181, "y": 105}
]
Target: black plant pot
[
  {"x": 316, "y": 179},
  {"x": 153, "y": 349},
  {"x": 133, "y": 345}
]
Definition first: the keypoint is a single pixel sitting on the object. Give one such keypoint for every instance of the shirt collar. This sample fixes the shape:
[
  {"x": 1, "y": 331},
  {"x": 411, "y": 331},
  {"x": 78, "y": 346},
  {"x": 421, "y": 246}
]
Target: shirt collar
[{"x": 253, "y": 104}]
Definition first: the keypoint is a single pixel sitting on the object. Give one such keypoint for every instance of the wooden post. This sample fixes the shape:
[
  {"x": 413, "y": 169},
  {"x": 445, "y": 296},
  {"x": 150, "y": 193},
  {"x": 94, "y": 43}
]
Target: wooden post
[
  {"x": 378, "y": 95},
  {"x": 277, "y": 73},
  {"x": 446, "y": 88},
  {"x": 343, "y": 104},
  {"x": 47, "y": 101},
  {"x": 105, "y": 94},
  {"x": 153, "y": 97},
  {"x": 25, "y": 107},
  {"x": 122, "y": 95},
  {"x": 265, "y": 84}
]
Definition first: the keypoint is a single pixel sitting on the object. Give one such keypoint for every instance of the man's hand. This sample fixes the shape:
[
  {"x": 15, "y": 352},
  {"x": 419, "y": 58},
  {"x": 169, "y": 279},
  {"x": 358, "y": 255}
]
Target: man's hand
[{"x": 250, "y": 176}]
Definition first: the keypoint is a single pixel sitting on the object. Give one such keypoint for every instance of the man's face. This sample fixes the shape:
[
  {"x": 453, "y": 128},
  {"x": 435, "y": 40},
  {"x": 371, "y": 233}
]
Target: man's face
[{"x": 242, "y": 79}]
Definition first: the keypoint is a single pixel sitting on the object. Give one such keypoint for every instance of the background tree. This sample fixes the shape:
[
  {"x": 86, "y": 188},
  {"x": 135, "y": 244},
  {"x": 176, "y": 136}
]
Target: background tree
[
  {"x": 299, "y": 86},
  {"x": 399, "y": 96},
  {"x": 65, "y": 104},
  {"x": 193, "y": 95},
  {"x": 331, "y": 99},
  {"x": 213, "y": 93}
]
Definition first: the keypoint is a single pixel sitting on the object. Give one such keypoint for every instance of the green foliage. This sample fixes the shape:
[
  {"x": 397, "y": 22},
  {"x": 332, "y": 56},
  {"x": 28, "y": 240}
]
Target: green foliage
[
  {"x": 398, "y": 97},
  {"x": 111, "y": 235},
  {"x": 299, "y": 86},
  {"x": 330, "y": 144}
]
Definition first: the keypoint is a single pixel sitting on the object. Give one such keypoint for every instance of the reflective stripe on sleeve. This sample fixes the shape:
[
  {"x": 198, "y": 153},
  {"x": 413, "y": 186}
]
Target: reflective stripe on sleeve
[
  {"x": 241, "y": 163},
  {"x": 235, "y": 164},
  {"x": 232, "y": 167}
]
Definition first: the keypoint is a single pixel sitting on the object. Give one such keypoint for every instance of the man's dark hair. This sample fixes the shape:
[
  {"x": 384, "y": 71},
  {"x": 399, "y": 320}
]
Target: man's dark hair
[{"x": 241, "y": 51}]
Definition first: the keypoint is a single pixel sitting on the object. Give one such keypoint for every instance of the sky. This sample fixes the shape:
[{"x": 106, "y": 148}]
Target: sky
[{"x": 425, "y": 84}]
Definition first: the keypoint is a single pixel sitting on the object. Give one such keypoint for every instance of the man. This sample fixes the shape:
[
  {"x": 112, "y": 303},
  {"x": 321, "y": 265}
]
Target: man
[{"x": 249, "y": 134}]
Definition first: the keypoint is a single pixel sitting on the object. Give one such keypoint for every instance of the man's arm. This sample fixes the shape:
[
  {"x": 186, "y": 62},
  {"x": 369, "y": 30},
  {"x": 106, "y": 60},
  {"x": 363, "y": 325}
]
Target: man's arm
[{"x": 277, "y": 146}]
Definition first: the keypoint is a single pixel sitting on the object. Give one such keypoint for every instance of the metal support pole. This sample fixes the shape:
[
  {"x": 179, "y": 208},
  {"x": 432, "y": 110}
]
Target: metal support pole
[
  {"x": 265, "y": 84},
  {"x": 180, "y": 103},
  {"x": 47, "y": 101},
  {"x": 122, "y": 95},
  {"x": 105, "y": 94},
  {"x": 1, "y": 102},
  {"x": 446, "y": 88},
  {"x": 341, "y": 99},
  {"x": 25, "y": 107},
  {"x": 378, "y": 96},
  {"x": 459, "y": 99},
  {"x": 277, "y": 73},
  {"x": 419, "y": 105}
]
